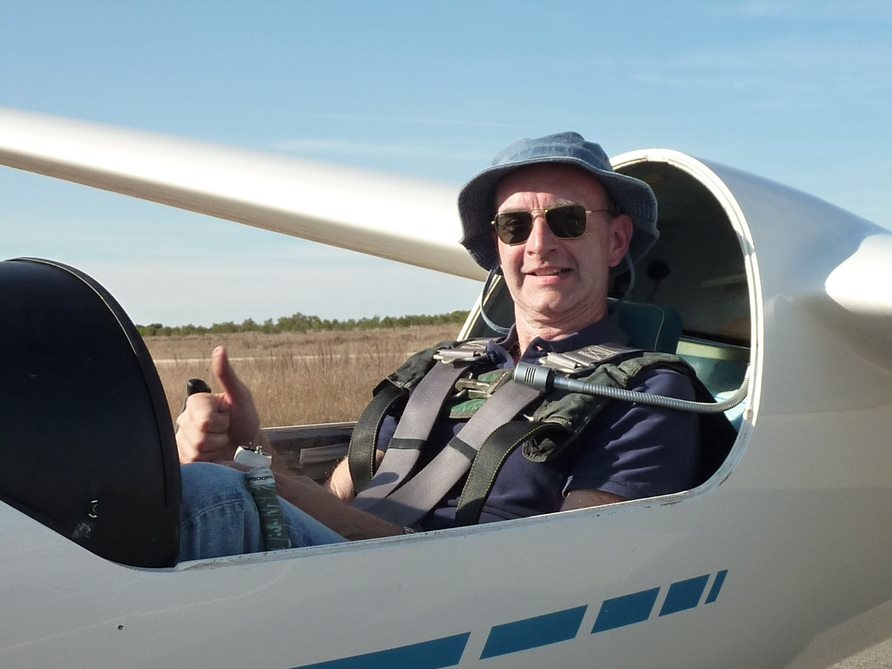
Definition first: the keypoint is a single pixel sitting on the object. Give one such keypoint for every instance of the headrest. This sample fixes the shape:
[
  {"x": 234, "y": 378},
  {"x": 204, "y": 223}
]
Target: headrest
[
  {"x": 649, "y": 326},
  {"x": 87, "y": 442}
]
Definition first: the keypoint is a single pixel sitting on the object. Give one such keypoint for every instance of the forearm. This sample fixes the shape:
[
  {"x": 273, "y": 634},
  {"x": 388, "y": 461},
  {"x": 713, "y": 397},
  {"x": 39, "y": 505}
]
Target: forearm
[
  {"x": 313, "y": 499},
  {"x": 340, "y": 483}
]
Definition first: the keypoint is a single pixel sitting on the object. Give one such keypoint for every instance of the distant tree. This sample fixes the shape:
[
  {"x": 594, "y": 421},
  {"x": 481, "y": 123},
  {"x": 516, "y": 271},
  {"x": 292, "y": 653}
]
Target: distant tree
[{"x": 301, "y": 323}]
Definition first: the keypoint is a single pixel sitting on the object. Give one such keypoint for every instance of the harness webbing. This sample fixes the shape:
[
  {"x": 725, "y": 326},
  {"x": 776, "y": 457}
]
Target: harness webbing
[
  {"x": 387, "y": 395},
  {"x": 424, "y": 490},
  {"x": 488, "y": 463},
  {"x": 487, "y": 439},
  {"x": 361, "y": 459},
  {"x": 411, "y": 433}
]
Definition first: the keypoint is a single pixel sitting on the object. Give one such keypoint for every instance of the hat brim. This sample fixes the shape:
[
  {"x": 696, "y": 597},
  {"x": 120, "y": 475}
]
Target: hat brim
[{"x": 476, "y": 206}]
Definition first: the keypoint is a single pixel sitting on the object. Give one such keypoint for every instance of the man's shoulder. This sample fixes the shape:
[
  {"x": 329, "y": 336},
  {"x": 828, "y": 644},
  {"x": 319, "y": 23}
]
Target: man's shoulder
[{"x": 664, "y": 380}]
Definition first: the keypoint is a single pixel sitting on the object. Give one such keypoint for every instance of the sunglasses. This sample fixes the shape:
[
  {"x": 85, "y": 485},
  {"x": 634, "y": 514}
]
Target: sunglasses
[{"x": 566, "y": 221}]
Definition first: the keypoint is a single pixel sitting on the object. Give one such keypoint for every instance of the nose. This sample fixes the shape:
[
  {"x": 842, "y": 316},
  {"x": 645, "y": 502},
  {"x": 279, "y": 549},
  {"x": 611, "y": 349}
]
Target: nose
[{"x": 541, "y": 237}]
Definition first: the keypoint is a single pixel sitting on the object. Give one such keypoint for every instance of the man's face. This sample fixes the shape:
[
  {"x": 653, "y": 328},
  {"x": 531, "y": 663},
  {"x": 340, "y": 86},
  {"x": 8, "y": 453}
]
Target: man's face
[{"x": 561, "y": 283}]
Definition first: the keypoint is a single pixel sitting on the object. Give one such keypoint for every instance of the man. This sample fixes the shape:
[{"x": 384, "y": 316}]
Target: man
[{"x": 554, "y": 218}]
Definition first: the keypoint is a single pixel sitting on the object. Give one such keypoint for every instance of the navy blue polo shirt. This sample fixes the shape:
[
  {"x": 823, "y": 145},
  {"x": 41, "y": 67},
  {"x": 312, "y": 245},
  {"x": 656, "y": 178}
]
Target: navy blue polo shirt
[{"x": 629, "y": 450}]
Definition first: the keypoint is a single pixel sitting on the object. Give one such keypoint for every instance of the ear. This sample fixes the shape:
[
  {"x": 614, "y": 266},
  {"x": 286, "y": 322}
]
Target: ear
[{"x": 621, "y": 230}]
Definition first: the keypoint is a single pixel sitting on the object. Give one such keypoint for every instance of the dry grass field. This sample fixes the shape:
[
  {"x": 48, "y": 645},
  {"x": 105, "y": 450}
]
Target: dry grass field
[{"x": 318, "y": 377}]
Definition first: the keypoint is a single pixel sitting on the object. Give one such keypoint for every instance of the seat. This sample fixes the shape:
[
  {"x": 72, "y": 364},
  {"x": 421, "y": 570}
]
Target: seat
[
  {"x": 649, "y": 326},
  {"x": 87, "y": 440}
]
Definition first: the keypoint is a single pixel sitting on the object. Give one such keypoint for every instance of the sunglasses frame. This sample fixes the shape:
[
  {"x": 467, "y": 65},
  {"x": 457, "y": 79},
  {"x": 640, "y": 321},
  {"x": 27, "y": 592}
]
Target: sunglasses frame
[{"x": 532, "y": 214}]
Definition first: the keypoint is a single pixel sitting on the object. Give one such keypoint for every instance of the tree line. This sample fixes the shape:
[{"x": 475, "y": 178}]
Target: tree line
[{"x": 302, "y": 323}]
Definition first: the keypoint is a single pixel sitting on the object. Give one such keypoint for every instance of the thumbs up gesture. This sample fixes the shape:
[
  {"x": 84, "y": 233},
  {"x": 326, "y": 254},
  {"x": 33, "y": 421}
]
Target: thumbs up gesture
[{"x": 212, "y": 425}]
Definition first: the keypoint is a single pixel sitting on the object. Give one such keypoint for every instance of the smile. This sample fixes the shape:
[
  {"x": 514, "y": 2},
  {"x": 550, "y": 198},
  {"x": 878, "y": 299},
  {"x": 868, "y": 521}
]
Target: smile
[{"x": 547, "y": 272}]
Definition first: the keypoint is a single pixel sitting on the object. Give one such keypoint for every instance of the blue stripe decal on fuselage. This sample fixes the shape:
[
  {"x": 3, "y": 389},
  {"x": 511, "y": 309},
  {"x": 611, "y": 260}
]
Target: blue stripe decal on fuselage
[
  {"x": 627, "y": 610},
  {"x": 434, "y": 654},
  {"x": 716, "y": 587},
  {"x": 684, "y": 595},
  {"x": 541, "y": 630},
  {"x": 533, "y": 632}
]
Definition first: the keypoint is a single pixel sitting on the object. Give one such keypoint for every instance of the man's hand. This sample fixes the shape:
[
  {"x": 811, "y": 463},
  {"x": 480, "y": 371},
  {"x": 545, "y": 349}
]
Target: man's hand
[{"x": 212, "y": 425}]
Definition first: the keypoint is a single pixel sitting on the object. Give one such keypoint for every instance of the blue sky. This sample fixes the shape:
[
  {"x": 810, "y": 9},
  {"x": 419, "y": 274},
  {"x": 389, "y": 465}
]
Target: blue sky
[{"x": 797, "y": 91}]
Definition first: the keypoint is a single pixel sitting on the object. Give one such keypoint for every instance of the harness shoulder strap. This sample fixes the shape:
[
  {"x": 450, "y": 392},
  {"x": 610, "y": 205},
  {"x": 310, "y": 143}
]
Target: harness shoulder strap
[
  {"x": 361, "y": 451},
  {"x": 393, "y": 391},
  {"x": 488, "y": 463},
  {"x": 386, "y": 396},
  {"x": 424, "y": 490},
  {"x": 412, "y": 432},
  {"x": 617, "y": 367}
]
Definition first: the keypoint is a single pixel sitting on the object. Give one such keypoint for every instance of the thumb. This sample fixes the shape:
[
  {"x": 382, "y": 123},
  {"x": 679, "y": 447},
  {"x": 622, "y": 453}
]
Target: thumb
[
  {"x": 232, "y": 387},
  {"x": 243, "y": 419}
]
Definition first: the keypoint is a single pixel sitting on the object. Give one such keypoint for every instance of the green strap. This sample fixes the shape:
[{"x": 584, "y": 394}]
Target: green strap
[
  {"x": 576, "y": 411},
  {"x": 262, "y": 485},
  {"x": 488, "y": 463}
]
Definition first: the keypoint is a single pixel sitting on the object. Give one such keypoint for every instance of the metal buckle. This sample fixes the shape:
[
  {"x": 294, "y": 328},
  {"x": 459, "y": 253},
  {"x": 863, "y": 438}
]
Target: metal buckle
[
  {"x": 575, "y": 361},
  {"x": 468, "y": 352},
  {"x": 451, "y": 355},
  {"x": 476, "y": 389}
]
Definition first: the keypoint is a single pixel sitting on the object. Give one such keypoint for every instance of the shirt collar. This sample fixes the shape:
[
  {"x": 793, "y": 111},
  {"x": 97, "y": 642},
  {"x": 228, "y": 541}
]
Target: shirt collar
[{"x": 604, "y": 331}]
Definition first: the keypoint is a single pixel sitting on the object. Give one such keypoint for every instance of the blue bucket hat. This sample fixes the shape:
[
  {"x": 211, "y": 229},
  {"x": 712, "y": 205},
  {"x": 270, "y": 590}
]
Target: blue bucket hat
[{"x": 476, "y": 201}]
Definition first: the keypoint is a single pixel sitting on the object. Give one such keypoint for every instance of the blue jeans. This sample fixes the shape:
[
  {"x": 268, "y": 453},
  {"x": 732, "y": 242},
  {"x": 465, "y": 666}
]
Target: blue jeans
[{"x": 218, "y": 516}]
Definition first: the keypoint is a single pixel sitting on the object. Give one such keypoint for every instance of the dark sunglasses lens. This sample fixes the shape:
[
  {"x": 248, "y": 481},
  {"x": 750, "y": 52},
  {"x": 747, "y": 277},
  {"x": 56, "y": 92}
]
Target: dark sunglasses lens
[
  {"x": 566, "y": 222},
  {"x": 514, "y": 227}
]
